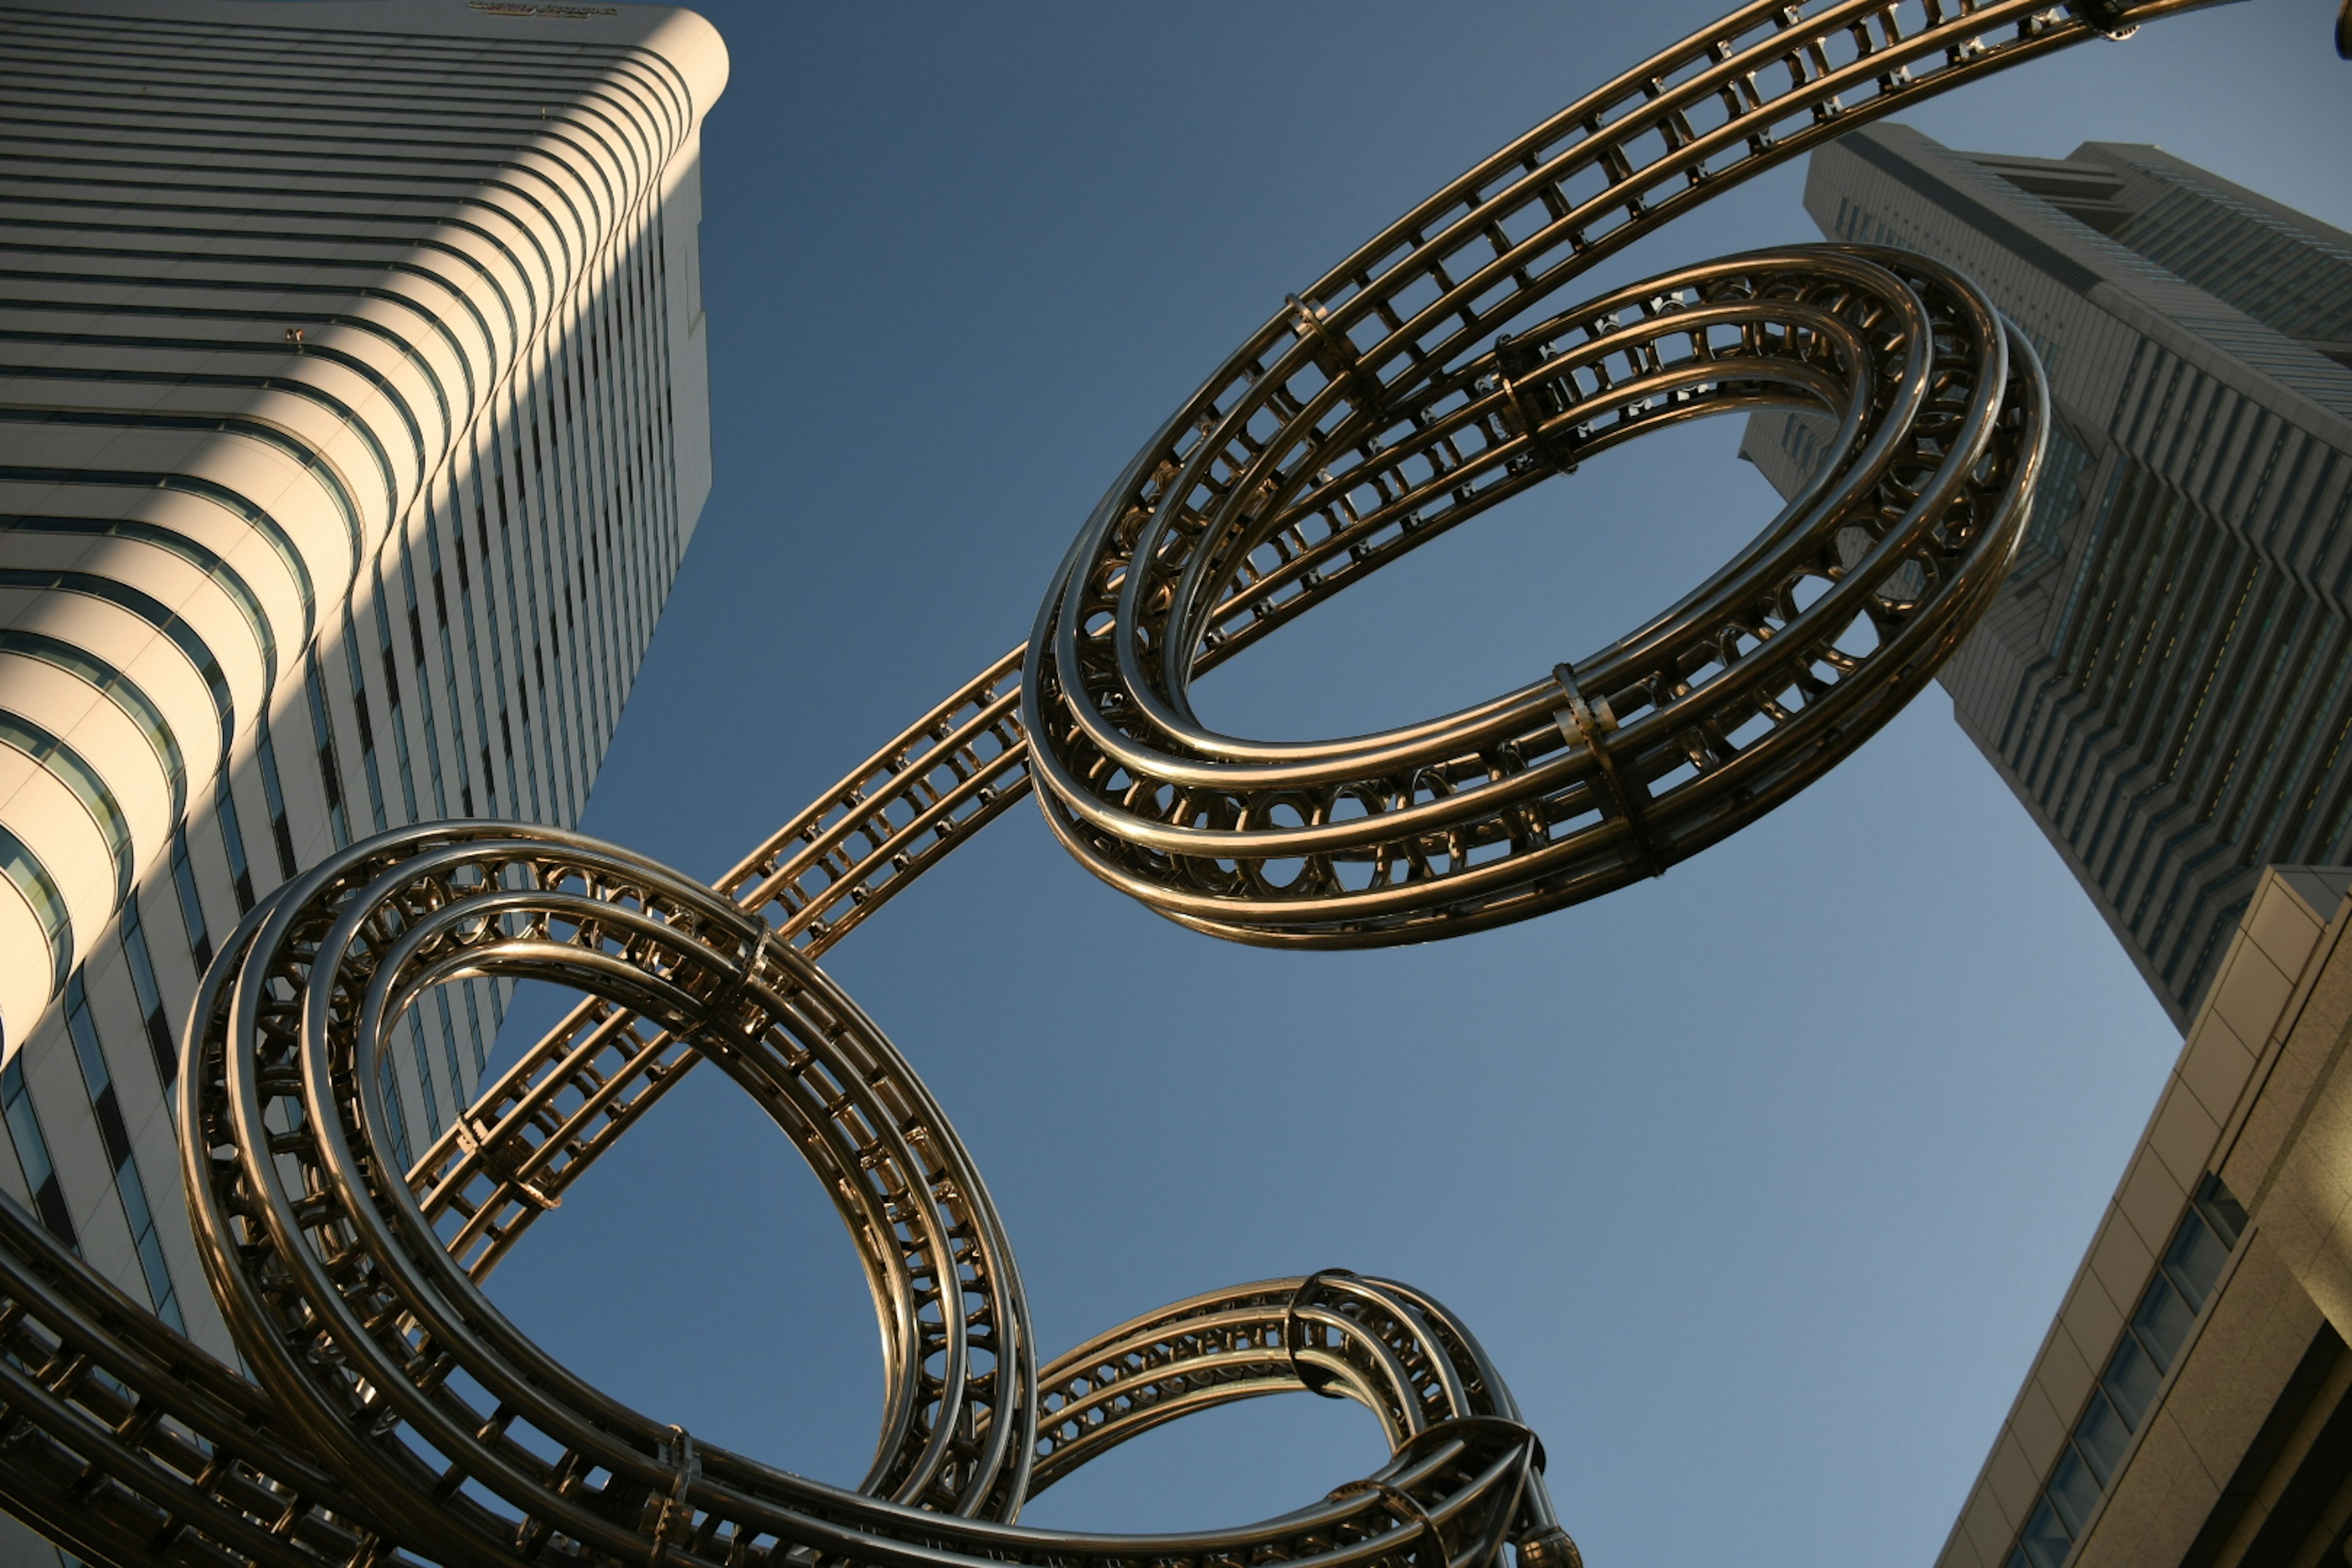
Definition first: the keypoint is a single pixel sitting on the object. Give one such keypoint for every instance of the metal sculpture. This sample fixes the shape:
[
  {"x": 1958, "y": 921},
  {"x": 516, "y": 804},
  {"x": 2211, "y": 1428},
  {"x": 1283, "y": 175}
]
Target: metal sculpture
[{"x": 396, "y": 1413}]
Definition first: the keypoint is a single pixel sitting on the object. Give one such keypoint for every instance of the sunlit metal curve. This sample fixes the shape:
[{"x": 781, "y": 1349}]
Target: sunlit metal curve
[
  {"x": 1408, "y": 390},
  {"x": 382, "y": 1356}
]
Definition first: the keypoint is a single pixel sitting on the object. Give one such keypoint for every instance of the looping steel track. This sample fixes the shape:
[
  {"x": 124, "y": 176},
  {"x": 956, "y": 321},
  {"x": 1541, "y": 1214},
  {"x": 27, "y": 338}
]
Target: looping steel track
[{"x": 394, "y": 1414}]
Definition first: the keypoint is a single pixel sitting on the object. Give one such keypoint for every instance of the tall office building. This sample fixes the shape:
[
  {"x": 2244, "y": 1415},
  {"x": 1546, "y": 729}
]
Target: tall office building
[
  {"x": 353, "y": 419},
  {"x": 2166, "y": 680}
]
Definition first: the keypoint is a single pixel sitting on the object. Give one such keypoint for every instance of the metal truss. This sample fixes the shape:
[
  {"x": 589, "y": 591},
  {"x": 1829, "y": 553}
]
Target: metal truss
[
  {"x": 451, "y": 1434},
  {"x": 1599, "y": 772},
  {"x": 394, "y": 1414}
]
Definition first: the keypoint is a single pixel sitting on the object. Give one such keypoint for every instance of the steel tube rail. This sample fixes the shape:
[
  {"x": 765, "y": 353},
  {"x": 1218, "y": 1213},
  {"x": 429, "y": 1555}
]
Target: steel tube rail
[
  {"x": 398, "y": 1417},
  {"x": 378, "y": 1349}
]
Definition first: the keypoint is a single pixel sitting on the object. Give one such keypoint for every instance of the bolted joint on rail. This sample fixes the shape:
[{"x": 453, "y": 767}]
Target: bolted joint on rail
[
  {"x": 1515, "y": 361},
  {"x": 1552, "y": 1548},
  {"x": 1589, "y": 724},
  {"x": 1336, "y": 356}
]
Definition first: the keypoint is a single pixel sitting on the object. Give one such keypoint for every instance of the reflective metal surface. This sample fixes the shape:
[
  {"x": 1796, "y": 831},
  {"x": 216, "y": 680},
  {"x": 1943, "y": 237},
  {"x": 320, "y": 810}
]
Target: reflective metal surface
[
  {"x": 394, "y": 1413},
  {"x": 381, "y": 1356},
  {"x": 1594, "y": 773}
]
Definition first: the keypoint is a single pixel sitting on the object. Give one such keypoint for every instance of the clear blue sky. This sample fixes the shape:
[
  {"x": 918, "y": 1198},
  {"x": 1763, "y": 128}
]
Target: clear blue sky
[{"x": 1761, "y": 1182}]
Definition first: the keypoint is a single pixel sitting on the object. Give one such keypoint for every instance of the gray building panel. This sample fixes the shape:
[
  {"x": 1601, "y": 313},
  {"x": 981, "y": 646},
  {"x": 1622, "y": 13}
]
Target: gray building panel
[{"x": 2166, "y": 682}]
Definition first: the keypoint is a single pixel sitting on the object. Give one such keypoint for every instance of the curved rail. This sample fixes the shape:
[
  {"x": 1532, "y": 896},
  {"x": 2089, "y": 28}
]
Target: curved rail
[
  {"x": 1618, "y": 163},
  {"x": 1604, "y": 770},
  {"x": 398, "y": 1413},
  {"x": 380, "y": 1351}
]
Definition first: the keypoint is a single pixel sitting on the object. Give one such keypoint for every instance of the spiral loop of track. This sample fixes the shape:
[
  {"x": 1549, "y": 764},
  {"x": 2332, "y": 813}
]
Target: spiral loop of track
[
  {"x": 1424, "y": 380},
  {"x": 435, "y": 1411},
  {"x": 1599, "y": 771}
]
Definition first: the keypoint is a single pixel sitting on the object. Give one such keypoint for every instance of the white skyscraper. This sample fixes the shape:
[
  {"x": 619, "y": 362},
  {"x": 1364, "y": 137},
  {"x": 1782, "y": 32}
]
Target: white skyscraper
[{"x": 353, "y": 420}]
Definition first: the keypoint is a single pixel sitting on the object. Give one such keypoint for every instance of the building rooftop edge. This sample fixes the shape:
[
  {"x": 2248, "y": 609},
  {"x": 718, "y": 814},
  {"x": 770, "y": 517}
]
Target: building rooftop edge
[{"x": 684, "y": 38}]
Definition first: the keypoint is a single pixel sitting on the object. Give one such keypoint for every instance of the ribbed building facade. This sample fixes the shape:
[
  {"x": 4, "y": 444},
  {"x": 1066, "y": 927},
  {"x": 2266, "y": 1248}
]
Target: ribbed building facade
[
  {"x": 353, "y": 419},
  {"x": 2166, "y": 681}
]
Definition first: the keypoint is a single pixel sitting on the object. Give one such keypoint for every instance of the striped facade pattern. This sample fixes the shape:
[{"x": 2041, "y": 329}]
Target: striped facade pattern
[
  {"x": 353, "y": 420},
  {"x": 2166, "y": 681}
]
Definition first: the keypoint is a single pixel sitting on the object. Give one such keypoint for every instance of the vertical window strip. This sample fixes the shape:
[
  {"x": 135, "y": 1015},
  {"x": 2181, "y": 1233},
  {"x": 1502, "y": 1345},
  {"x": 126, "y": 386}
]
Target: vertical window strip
[
  {"x": 2229, "y": 711},
  {"x": 448, "y": 668},
  {"x": 602, "y": 606},
  {"x": 423, "y": 680},
  {"x": 641, "y": 544},
  {"x": 450, "y": 1045},
  {"x": 2249, "y": 703},
  {"x": 33, "y": 1154},
  {"x": 2106, "y": 657},
  {"x": 2168, "y": 538},
  {"x": 2195, "y": 426},
  {"x": 568, "y": 562},
  {"x": 556, "y": 760},
  {"x": 2283, "y": 725},
  {"x": 114, "y": 1134},
  {"x": 490, "y": 580},
  {"x": 2285, "y": 494},
  {"x": 2203, "y": 550},
  {"x": 474, "y": 1025},
  {"x": 666, "y": 426},
  {"x": 2298, "y": 830},
  {"x": 515, "y": 591},
  {"x": 2091, "y": 554},
  {"x": 425, "y": 1074},
  {"x": 2289, "y": 435},
  {"x": 2058, "y": 500},
  {"x": 481, "y": 712},
  {"x": 2146, "y": 435},
  {"x": 273, "y": 791},
  {"x": 392, "y": 696},
  {"x": 2240, "y": 408},
  {"x": 2148, "y": 527},
  {"x": 554, "y": 514},
  {"x": 2268, "y": 434},
  {"x": 358, "y": 671},
  {"x": 2229, "y": 625},
  {"x": 455, "y": 508},
  {"x": 2133, "y": 396},
  {"x": 322, "y": 729},
  {"x": 388, "y": 1085},
  {"x": 192, "y": 905},
  {"x": 151, "y": 1015},
  {"x": 2322, "y": 483},
  {"x": 233, "y": 833}
]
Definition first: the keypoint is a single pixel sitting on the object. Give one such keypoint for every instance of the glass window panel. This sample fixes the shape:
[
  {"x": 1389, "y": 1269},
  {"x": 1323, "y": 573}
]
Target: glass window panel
[
  {"x": 2102, "y": 1435},
  {"x": 32, "y": 1149},
  {"x": 2162, "y": 1322},
  {"x": 2073, "y": 1490},
  {"x": 2045, "y": 1539},
  {"x": 2221, "y": 1210},
  {"x": 2131, "y": 1382},
  {"x": 2194, "y": 1261}
]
